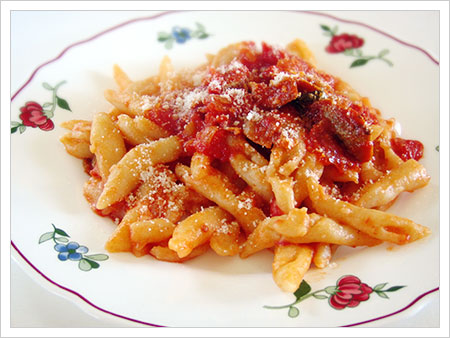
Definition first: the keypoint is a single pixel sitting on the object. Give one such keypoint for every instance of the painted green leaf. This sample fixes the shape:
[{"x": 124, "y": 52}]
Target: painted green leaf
[
  {"x": 163, "y": 36},
  {"x": 203, "y": 35},
  {"x": 62, "y": 103},
  {"x": 359, "y": 62},
  {"x": 200, "y": 26},
  {"x": 47, "y": 86},
  {"x": 22, "y": 128},
  {"x": 45, "y": 237},
  {"x": 394, "y": 288},
  {"x": 383, "y": 53},
  {"x": 14, "y": 129},
  {"x": 325, "y": 28},
  {"x": 97, "y": 257},
  {"x": 168, "y": 44},
  {"x": 331, "y": 290},
  {"x": 93, "y": 264},
  {"x": 15, "y": 124},
  {"x": 293, "y": 312},
  {"x": 84, "y": 265},
  {"x": 62, "y": 239},
  {"x": 61, "y": 232},
  {"x": 437, "y": 148},
  {"x": 302, "y": 290},
  {"x": 382, "y": 295},
  {"x": 320, "y": 296},
  {"x": 379, "y": 286}
]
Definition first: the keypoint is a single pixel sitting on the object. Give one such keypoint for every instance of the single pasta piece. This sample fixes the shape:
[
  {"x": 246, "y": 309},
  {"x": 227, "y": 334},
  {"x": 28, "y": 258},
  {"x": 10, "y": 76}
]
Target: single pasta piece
[
  {"x": 121, "y": 78},
  {"x": 322, "y": 255},
  {"x": 125, "y": 175},
  {"x": 120, "y": 101},
  {"x": 283, "y": 189},
  {"x": 139, "y": 130},
  {"x": 151, "y": 231},
  {"x": 344, "y": 88},
  {"x": 281, "y": 165},
  {"x": 290, "y": 264},
  {"x": 163, "y": 253},
  {"x": 331, "y": 174},
  {"x": 408, "y": 176},
  {"x": 369, "y": 173},
  {"x": 106, "y": 143},
  {"x": 263, "y": 237},
  {"x": 120, "y": 240},
  {"x": 294, "y": 224},
  {"x": 148, "y": 86},
  {"x": 201, "y": 167},
  {"x": 197, "y": 229},
  {"x": 77, "y": 140},
  {"x": 226, "y": 54},
  {"x": 253, "y": 174},
  {"x": 376, "y": 223},
  {"x": 309, "y": 166},
  {"x": 225, "y": 239},
  {"x": 391, "y": 158},
  {"x": 165, "y": 69},
  {"x": 300, "y": 48},
  {"x": 148, "y": 232}
]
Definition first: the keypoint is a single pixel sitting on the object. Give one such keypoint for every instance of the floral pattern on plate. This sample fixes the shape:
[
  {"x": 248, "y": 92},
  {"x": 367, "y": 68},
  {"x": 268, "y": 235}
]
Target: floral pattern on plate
[
  {"x": 39, "y": 116},
  {"x": 350, "y": 45},
  {"x": 72, "y": 250},
  {"x": 182, "y": 34},
  {"x": 348, "y": 292}
]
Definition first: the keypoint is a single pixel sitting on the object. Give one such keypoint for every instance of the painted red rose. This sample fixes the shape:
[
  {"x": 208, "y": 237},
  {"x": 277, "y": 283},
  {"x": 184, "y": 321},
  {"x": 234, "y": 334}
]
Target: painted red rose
[
  {"x": 349, "y": 293},
  {"x": 342, "y": 42},
  {"x": 33, "y": 116}
]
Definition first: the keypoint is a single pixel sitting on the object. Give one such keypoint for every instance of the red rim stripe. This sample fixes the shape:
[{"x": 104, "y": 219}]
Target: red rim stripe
[
  {"x": 60, "y": 55},
  {"x": 77, "y": 294},
  {"x": 407, "y": 44},
  {"x": 171, "y": 12}
]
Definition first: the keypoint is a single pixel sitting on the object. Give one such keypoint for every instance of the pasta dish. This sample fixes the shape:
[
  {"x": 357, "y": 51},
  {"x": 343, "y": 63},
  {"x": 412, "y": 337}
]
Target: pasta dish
[{"x": 255, "y": 149}]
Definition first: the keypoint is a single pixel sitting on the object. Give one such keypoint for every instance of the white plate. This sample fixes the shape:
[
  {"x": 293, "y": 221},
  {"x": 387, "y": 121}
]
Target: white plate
[{"x": 46, "y": 183}]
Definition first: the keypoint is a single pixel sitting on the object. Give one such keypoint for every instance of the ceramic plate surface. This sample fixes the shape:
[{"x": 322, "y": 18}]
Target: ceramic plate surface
[{"x": 54, "y": 230}]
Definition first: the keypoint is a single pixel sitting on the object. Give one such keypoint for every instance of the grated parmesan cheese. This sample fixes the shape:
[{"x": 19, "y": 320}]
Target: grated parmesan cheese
[
  {"x": 254, "y": 116},
  {"x": 280, "y": 77}
]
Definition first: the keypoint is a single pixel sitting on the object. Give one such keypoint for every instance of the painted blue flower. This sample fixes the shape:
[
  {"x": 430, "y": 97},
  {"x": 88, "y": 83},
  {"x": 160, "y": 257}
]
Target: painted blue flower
[
  {"x": 71, "y": 250},
  {"x": 181, "y": 35}
]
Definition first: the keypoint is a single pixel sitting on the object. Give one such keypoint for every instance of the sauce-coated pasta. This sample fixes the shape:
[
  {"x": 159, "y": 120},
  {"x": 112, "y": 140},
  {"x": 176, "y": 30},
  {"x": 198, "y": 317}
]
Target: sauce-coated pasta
[{"x": 256, "y": 149}]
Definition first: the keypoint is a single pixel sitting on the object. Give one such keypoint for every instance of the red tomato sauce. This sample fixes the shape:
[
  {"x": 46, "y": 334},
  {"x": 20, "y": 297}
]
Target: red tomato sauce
[
  {"x": 407, "y": 149},
  {"x": 255, "y": 95}
]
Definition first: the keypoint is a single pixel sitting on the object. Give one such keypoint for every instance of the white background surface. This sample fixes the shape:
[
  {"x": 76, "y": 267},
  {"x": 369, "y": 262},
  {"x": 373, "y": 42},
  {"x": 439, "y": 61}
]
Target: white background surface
[{"x": 45, "y": 36}]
